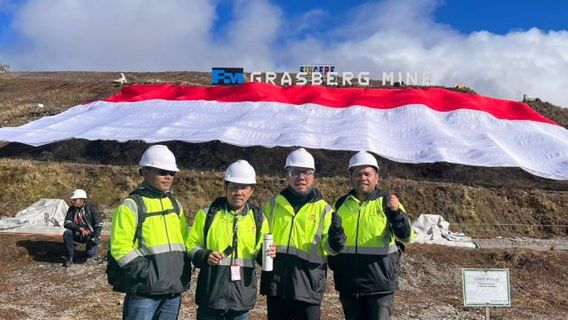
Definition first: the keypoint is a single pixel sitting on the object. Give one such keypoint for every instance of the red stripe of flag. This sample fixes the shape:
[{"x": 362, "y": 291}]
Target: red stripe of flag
[{"x": 435, "y": 98}]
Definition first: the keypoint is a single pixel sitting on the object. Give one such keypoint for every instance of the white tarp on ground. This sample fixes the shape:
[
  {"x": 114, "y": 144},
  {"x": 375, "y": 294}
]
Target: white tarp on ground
[
  {"x": 44, "y": 216},
  {"x": 434, "y": 229}
]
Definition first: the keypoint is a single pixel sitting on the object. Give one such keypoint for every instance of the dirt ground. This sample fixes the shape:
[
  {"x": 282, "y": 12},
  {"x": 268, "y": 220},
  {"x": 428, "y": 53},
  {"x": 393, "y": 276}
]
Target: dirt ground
[{"x": 34, "y": 285}]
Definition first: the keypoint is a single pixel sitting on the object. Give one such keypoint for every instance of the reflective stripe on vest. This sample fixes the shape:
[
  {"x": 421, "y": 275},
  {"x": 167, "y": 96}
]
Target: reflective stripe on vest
[
  {"x": 374, "y": 250},
  {"x": 352, "y": 205},
  {"x": 247, "y": 263},
  {"x": 143, "y": 249},
  {"x": 317, "y": 238},
  {"x": 140, "y": 252},
  {"x": 311, "y": 256},
  {"x": 133, "y": 254},
  {"x": 194, "y": 251}
]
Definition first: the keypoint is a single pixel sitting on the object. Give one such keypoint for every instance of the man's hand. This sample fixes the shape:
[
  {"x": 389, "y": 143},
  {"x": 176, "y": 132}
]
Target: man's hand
[
  {"x": 84, "y": 231},
  {"x": 393, "y": 203},
  {"x": 336, "y": 233},
  {"x": 214, "y": 258},
  {"x": 336, "y": 226},
  {"x": 272, "y": 250}
]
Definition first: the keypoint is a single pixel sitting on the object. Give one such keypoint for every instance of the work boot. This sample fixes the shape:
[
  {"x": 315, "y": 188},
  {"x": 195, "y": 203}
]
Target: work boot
[
  {"x": 92, "y": 260},
  {"x": 68, "y": 262}
]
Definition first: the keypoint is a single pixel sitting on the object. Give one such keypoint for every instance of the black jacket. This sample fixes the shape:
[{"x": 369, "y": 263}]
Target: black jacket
[
  {"x": 358, "y": 273},
  {"x": 92, "y": 221},
  {"x": 159, "y": 266},
  {"x": 295, "y": 278},
  {"x": 215, "y": 289}
]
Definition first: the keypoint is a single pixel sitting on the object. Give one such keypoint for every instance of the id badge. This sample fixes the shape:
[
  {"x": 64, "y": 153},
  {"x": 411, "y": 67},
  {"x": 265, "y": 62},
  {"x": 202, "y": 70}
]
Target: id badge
[{"x": 235, "y": 272}]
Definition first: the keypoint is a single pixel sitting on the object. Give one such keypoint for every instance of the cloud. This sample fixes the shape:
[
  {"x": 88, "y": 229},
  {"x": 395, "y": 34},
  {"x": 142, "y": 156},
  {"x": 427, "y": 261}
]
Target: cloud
[
  {"x": 111, "y": 35},
  {"x": 529, "y": 62},
  {"x": 252, "y": 36},
  {"x": 139, "y": 36},
  {"x": 402, "y": 36},
  {"x": 376, "y": 36}
]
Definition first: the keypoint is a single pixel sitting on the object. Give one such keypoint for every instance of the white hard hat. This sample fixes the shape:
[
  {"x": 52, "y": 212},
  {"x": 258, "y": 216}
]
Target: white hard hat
[
  {"x": 79, "y": 194},
  {"x": 160, "y": 157},
  {"x": 300, "y": 158},
  {"x": 241, "y": 172},
  {"x": 363, "y": 158}
]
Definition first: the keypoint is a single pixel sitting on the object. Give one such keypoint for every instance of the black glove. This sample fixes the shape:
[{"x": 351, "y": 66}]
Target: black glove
[
  {"x": 399, "y": 222},
  {"x": 200, "y": 258},
  {"x": 392, "y": 214},
  {"x": 336, "y": 234}
]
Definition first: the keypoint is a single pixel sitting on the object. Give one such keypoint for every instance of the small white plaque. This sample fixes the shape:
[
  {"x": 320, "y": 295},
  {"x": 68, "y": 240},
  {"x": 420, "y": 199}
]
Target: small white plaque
[{"x": 486, "y": 287}]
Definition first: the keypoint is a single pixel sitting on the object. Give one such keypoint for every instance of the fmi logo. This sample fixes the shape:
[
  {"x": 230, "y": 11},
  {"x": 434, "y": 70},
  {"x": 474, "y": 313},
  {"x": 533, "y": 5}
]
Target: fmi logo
[{"x": 227, "y": 76}]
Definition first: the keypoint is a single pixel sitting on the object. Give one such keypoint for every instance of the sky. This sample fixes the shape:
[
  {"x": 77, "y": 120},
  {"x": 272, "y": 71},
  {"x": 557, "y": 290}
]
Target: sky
[{"x": 503, "y": 49}]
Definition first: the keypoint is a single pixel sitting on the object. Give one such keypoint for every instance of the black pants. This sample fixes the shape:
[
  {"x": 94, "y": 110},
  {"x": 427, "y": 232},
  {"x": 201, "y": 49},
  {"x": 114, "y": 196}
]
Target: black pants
[
  {"x": 204, "y": 313},
  {"x": 70, "y": 236},
  {"x": 284, "y": 309},
  {"x": 375, "y": 307}
]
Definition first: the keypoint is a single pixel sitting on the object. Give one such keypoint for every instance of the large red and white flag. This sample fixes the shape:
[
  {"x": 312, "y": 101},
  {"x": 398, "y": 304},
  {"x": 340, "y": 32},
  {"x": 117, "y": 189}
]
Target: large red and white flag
[{"x": 404, "y": 125}]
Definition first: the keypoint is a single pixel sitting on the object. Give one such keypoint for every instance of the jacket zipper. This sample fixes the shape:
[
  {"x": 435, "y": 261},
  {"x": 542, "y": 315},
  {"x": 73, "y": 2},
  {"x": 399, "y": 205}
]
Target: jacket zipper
[
  {"x": 290, "y": 234},
  {"x": 357, "y": 244},
  {"x": 357, "y": 230},
  {"x": 165, "y": 224},
  {"x": 288, "y": 252}
]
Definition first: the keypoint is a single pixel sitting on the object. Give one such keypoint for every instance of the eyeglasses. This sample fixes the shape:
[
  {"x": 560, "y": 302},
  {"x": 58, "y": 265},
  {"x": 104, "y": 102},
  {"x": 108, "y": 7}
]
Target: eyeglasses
[
  {"x": 165, "y": 172},
  {"x": 294, "y": 172}
]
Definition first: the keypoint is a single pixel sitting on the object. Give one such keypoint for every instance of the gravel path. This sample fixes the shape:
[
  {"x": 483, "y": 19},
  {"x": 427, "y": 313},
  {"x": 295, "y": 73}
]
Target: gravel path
[{"x": 560, "y": 244}]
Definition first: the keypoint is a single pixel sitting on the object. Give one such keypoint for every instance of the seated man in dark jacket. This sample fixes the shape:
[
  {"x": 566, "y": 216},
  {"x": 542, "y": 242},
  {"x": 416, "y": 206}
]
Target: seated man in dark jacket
[{"x": 83, "y": 225}]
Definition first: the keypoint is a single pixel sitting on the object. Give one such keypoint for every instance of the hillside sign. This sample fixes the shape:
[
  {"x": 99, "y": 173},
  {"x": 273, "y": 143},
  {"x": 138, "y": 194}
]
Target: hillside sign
[{"x": 486, "y": 288}]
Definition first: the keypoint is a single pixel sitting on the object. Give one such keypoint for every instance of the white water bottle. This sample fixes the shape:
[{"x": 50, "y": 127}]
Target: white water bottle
[{"x": 266, "y": 258}]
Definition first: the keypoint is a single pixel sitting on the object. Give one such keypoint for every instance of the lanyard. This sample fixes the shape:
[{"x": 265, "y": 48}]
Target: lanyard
[
  {"x": 235, "y": 238},
  {"x": 234, "y": 254}
]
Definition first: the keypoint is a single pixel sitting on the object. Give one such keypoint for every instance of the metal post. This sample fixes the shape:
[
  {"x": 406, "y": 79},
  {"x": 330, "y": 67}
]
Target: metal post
[{"x": 486, "y": 313}]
